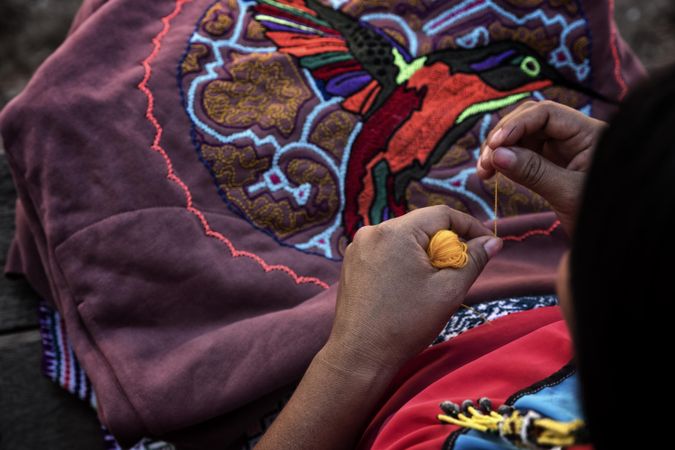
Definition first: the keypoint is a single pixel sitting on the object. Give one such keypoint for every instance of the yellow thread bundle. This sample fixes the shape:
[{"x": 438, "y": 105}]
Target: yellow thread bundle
[
  {"x": 447, "y": 251},
  {"x": 546, "y": 432}
]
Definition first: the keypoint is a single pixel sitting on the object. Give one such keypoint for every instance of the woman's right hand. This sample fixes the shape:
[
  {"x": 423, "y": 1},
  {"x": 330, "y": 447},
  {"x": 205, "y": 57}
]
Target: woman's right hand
[{"x": 546, "y": 147}]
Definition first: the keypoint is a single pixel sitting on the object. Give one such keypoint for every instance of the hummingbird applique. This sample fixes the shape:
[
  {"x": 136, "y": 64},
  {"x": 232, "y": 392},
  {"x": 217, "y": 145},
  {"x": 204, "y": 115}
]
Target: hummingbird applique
[{"x": 412, "y": 108}]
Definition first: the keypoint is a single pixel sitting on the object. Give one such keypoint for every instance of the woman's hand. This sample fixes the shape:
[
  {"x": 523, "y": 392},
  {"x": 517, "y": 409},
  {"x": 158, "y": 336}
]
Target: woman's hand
[
  {"x": 392, "y": 302},
  {"x": 546, "y": 147}
]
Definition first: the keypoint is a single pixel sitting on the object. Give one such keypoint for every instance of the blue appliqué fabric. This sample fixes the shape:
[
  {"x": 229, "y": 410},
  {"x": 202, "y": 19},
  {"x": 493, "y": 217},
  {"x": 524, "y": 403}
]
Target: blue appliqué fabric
[{"x": 558, "y": 401}]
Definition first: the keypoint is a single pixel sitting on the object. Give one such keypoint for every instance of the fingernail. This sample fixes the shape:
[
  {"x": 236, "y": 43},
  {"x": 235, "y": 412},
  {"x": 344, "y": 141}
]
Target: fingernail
[
  {"x": 493, "y": 246},
  {"x": 503, "y": 157},
  {"x": 497, "y": 138}
]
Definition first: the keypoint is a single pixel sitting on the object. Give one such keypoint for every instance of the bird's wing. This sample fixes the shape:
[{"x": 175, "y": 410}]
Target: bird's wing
[{"x": 298, "y": 28}]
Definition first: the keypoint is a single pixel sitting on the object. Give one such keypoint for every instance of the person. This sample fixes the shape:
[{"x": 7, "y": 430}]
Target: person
[{"x": 392, "y": 302}]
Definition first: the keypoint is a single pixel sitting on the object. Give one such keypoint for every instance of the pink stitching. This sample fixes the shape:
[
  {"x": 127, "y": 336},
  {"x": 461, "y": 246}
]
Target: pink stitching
[
  {"x": 615, "y": 52},
  {"x": 171, "y": 175},
  {"x": 531, "y": 233}
]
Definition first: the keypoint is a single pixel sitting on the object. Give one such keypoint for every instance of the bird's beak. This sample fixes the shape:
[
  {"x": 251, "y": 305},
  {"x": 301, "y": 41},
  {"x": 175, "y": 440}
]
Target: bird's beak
[{"x": 495, "y": 104}]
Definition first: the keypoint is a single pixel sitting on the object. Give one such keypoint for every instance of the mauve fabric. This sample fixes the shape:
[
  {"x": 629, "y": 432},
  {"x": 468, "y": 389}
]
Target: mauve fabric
[{"x": 174, "y": 332}]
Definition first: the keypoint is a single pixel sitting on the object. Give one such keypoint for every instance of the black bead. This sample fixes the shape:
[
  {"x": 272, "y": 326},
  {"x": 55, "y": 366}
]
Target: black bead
[
  {"x": 485, "y": 405},
  {"x": 465, "y": 405},
  {"x": 505, "y": 410},
  {"x": 450, "y": 408}
]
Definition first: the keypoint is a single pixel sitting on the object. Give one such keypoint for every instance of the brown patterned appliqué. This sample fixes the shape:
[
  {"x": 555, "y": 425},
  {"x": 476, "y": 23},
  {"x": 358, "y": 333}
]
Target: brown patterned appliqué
[
  {"x": 265, "y": 90},
  {"x": 217, "y": 20},
  {"x": 237, "y": 168},
  {"x": 193, "y": 58},
  {"x": 332, "y": 133}
]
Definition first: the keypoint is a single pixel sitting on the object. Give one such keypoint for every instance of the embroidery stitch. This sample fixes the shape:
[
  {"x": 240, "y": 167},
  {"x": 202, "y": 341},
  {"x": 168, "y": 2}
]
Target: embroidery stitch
[
  {"x": 156, "y": 146},
  {"x": 537, "y": 232},
  {"x": 561, "y": 57},
  {"x": 357, "y": 66},
  {"x": 615, "y": 53}
]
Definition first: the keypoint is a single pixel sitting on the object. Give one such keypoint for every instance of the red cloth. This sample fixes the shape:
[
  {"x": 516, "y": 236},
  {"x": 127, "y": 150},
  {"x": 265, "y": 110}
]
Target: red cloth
[{"x": 494, "y": 360}]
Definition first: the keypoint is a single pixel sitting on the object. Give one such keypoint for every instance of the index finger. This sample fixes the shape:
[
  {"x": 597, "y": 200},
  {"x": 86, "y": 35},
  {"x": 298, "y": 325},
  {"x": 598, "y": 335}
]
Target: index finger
[
  {"x": 484, "y": 168},
  {"x": 556, "y": 121},
  {"x": 494, "y": 134},
  {"x": 425, "y": 222}
]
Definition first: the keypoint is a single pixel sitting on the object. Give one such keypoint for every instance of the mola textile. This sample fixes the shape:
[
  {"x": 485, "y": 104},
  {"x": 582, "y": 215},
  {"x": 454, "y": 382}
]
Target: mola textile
[{"x": 190, "y": 173}]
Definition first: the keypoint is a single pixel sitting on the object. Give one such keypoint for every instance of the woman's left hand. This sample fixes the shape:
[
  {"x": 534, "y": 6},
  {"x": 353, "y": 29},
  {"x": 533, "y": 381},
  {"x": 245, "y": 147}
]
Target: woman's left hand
[{"x": 392, "y": 302}]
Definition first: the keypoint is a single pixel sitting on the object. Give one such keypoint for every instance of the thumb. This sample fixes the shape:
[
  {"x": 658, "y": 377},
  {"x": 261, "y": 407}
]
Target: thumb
[
  {"x": 531, "y": 170},
  {"x": 479, "y": 251}
]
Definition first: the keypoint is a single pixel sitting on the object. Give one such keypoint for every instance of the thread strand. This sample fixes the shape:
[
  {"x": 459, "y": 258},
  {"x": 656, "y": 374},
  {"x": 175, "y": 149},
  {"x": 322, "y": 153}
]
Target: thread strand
[{"x": 496, "y": 201}]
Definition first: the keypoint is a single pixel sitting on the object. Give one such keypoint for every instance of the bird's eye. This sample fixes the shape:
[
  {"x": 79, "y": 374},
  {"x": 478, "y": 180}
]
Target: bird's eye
[{"x": 530, "y": 66}]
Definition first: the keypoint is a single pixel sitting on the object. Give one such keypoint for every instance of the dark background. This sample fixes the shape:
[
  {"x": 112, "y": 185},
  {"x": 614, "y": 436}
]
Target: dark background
[{"x": 34, "y": 413}]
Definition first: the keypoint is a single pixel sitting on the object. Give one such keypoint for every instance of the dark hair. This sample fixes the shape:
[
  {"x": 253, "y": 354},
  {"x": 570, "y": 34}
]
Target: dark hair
[{"x": 622, "y": 272}]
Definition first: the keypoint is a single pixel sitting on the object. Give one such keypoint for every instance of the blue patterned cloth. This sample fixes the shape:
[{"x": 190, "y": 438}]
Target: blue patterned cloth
[{"x": 466, "y": 319}]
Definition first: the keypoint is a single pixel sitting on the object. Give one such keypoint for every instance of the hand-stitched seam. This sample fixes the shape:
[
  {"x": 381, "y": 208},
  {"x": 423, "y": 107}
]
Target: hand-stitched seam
[
  {"x": 171, "y": 175},
  {"x": 536, "y": 232},
  {"x": 614, "y": 38}
]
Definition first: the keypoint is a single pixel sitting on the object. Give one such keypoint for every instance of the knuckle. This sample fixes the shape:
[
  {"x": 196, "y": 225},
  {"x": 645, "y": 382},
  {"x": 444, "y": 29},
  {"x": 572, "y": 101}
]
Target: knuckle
[
  {"x": 441, "y": 210},
  {"x": 363, "y": 234},
  {"x": 547, "y": 105},
  {"x": 386, "y": 228},
  {"x": 530, "y": 104},
  {"x": 526, "y": 105},
  {"x": 542, "y": 109},
  {"x": 367, "y": 240},
  {"x": 533, "y": 171}
]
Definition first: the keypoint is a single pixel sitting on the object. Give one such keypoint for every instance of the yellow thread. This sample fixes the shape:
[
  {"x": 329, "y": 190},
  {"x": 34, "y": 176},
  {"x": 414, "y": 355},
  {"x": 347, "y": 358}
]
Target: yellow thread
[
  {"x": 513, "y": 423},
  {"x": 462, "y": 423},
  {"x": 482, "y": 418},
  {"x": 559, "y": 427},
  {"x": 482, "y": 316},
  {"x": 556, "y": 433},
  {"x": 545, "y": 431},
  {"x": 447, "y": 251},
  {"x": 496, "y": 199}
]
